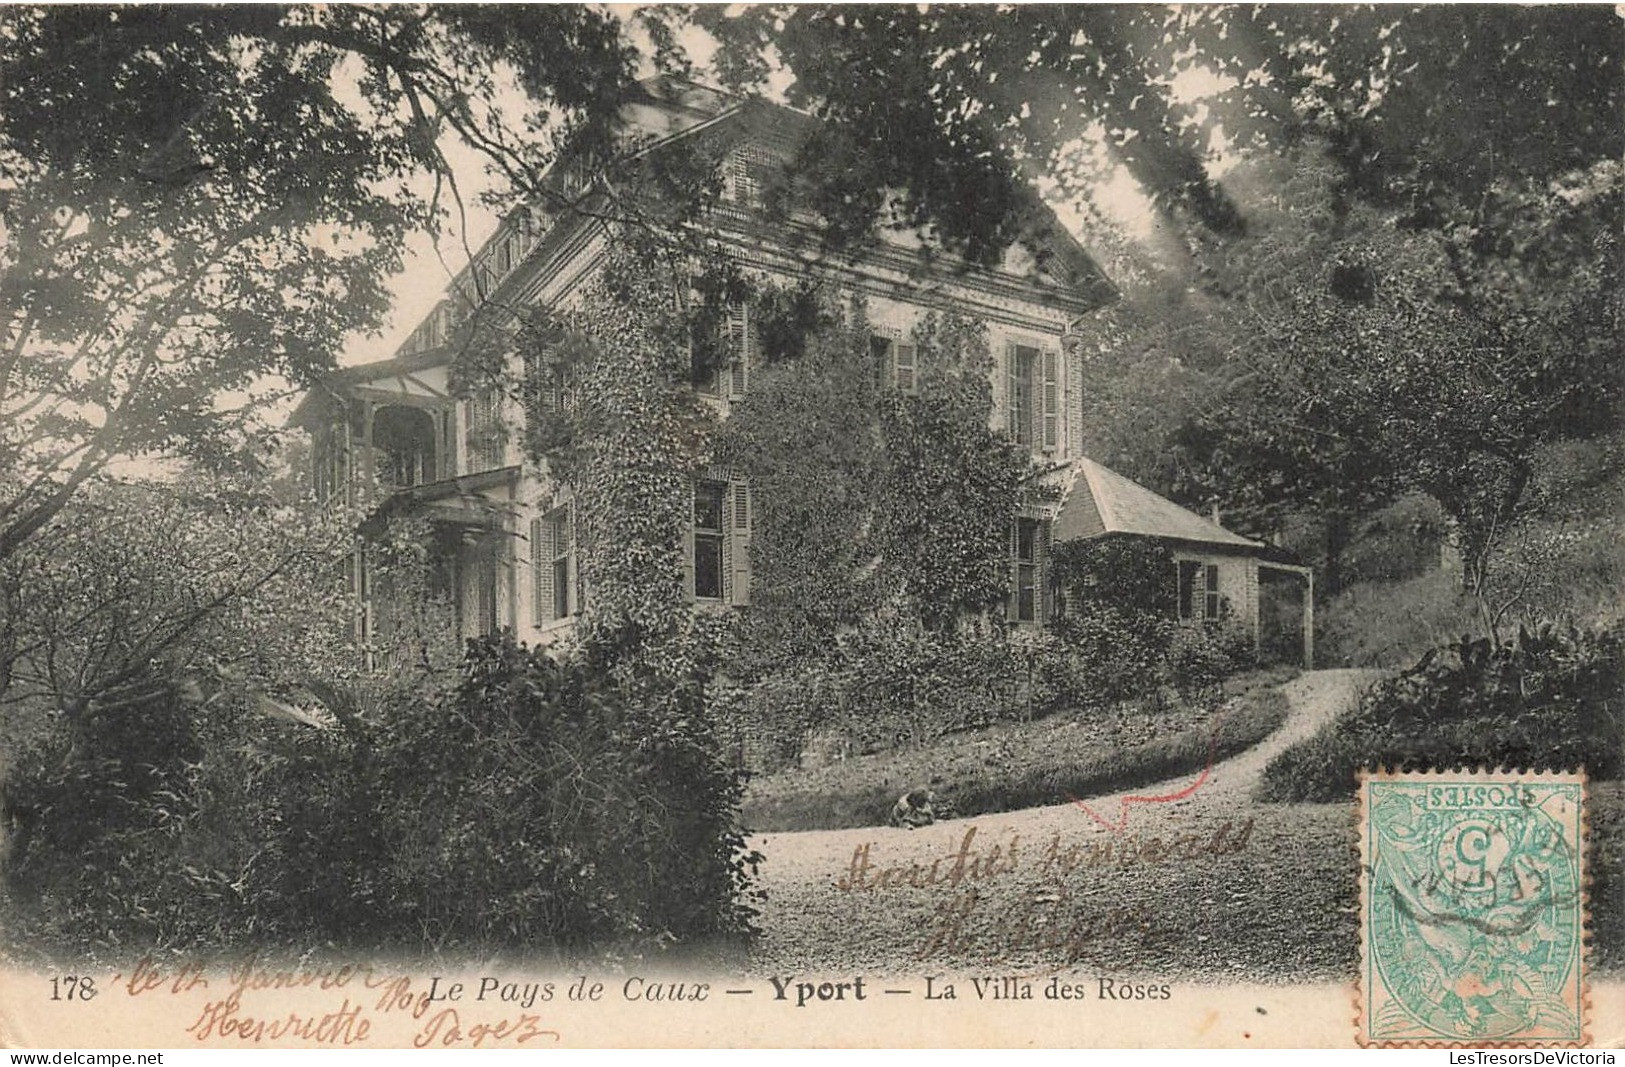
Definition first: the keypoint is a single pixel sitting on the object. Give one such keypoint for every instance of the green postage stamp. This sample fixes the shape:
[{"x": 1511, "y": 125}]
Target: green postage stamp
[{"x": 1472, "y": 909}]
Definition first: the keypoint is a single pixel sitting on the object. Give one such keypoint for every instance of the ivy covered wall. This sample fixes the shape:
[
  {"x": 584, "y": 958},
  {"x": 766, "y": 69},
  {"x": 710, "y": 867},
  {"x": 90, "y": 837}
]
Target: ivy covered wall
[{"x": 878, "y": 488}]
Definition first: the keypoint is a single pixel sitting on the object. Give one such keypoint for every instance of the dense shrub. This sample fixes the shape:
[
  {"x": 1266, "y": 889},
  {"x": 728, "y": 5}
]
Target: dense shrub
[
  {"x": 1201, "y": 657},
  {"x": 1551, "y": 698},
  {"x": 1121, "y": 651},
  {"x": 521, "y": 805},
  {"x": 891, "y": 684},
  {"x": 142, "y": 826}
]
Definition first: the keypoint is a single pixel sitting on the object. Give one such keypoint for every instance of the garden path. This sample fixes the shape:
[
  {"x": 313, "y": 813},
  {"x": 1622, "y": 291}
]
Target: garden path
[{"x": 808, "y": 919}]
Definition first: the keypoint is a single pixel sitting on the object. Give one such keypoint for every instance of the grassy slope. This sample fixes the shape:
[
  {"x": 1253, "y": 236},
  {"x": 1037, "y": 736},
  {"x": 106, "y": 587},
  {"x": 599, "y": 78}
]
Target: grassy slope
[
  {"x": 1565, "y": 560},
  {"x": 1019, "y": 765}
]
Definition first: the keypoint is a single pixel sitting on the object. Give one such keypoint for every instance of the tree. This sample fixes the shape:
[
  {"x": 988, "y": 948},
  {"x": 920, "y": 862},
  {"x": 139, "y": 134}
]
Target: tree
[
  {"x": 1424, "y": 108},
  {"x": 1383, "y": 359},
  {"x": 198, "y": 199},
  {"x": 138, "y": 592},
  {"x": 1473, "y": 144}
]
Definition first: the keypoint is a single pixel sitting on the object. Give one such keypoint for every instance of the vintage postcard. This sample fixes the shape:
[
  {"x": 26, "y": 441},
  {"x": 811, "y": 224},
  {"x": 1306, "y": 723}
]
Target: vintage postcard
[{"x": 530, "y": 526}]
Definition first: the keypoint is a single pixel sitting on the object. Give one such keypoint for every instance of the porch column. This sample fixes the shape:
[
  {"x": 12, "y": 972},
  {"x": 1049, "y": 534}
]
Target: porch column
[
  {"x": 1309, "y": 621},
  {"x": 368, "y": 409}
]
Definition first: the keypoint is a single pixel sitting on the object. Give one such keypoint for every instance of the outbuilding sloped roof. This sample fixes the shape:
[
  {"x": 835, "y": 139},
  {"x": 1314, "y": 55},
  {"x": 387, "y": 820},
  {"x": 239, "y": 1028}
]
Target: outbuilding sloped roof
[{"x": 1096, "y": 501}]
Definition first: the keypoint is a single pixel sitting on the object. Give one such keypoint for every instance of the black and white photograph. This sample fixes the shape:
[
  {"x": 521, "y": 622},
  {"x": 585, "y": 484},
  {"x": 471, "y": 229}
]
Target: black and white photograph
[{"x": 532, "y": 526}]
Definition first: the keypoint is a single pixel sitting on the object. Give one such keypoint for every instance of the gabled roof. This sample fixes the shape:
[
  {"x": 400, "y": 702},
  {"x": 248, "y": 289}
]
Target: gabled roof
[
  {"x": 666, "y": 109},
  {"x": 1096, "y": 501}
]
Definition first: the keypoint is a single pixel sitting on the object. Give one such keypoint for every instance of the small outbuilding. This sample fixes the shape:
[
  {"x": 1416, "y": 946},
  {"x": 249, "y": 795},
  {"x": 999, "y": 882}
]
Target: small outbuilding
[{"x": 1217, "y": 570}]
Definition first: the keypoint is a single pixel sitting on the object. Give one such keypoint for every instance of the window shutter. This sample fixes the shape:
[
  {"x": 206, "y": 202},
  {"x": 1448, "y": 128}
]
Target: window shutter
[
  {"x": 1046, "y": 588},
  {"x": 533, "y": 393},
  {"x": 907, "y": 372},
  {"x": 541, "y": 571},
  {"x": 574, "y": 565},
  {"x": 739, "y": 351},
  {"x": 1012, "y": 401},
  {"x": 739, "y": 542},
  {"x": 688, "y": 544},
  {"x": 1012, "y": 602},
  {"x": 1051, "y": 431},
  {"x": 739, "y": 177}
]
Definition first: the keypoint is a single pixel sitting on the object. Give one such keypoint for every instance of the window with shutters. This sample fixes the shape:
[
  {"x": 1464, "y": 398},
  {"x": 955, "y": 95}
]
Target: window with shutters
[
  {"x": 710, "y": 514},
  {"x": 1033, "y": 396},
  {"x": 1026, "y": 570},
  {"x": 486, "y": 434},
  {"x": 729, "y": 372},
  {"x": 717, "y": 549},
  {"x": 896, "y": 364},
  {"x": 543, "y": 390},
  {"x": 556, "y": 590},
  {"x": 1210, "y": 587},
  {"x": 1190, "y": 577}
]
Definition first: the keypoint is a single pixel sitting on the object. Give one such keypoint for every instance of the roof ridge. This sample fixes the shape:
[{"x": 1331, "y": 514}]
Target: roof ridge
[{"x": 1107, "y": 486}]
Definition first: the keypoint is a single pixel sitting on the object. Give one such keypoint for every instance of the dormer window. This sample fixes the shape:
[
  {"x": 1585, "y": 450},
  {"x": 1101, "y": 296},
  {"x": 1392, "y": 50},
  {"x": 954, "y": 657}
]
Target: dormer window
[{"x": 747, "y": 174}]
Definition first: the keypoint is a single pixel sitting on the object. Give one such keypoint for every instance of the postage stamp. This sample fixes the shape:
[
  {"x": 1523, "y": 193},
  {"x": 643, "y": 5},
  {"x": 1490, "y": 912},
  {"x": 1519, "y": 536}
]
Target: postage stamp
[{"x": 1473, "y": 909}]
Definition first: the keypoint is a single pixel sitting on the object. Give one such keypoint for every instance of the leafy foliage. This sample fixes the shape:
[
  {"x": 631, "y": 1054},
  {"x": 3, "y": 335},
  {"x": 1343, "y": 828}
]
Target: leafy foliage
[
  {"x": 511, "y": 807},
  {"x": 1426, "y": 108},
  {"x": 202, "y": 203},
  {"x": 143, "y": 587},
  {"x": 871, "y": 500},
  {"x": 1550, "y": 699}
]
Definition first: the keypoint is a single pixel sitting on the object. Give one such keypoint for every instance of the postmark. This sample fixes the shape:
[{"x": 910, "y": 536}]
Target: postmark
[{"x": 1473, "y": 909}]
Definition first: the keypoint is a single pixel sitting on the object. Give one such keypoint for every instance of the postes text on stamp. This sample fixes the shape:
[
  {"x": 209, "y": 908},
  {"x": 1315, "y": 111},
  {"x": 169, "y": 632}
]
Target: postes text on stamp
[{"x": 1472, "y": 909}]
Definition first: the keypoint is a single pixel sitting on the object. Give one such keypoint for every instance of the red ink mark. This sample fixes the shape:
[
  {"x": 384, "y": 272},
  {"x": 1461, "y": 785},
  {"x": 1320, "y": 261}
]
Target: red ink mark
[{"x": 1121, "y": 823}]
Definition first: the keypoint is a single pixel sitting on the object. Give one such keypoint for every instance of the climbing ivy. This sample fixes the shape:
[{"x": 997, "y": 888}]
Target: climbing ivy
[
  {"x": 951, "y": 484},
  {"x": 868, "y": 501}
]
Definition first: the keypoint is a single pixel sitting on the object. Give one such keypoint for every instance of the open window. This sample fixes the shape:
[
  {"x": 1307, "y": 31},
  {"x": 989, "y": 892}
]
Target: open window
[
  {"x": 1033, "y": 396},
  {"x": 723, "y": 368},
  {"x": 896, "y": 364},
  {"x": 1030, "y": 597}
]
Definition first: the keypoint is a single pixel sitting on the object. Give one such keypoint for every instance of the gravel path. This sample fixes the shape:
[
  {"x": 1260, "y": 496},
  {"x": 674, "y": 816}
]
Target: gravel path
[{"x": 1200, "y": 880}]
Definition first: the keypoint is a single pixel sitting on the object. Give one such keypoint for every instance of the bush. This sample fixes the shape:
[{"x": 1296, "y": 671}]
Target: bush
[
  {"x": 1120, "y": 652},
  {"x": 892, "y": 684},
  {"x": 522, "y": 804},
  {"x": 1201, "y": 657},
  {"x": 1551, "y": 698}
]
